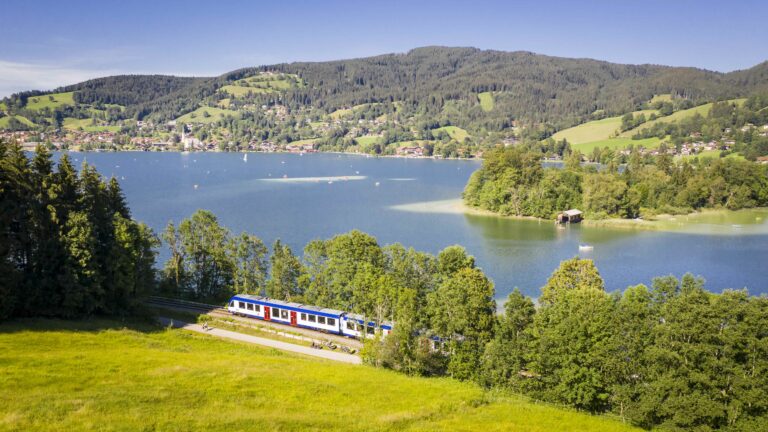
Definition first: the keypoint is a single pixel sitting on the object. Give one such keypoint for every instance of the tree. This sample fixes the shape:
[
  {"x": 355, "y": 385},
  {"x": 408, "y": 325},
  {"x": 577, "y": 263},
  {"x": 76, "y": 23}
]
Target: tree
[
  {"x": 249, "y": 262},
  {"x": 571, "y": 275},
  {"x": 286, "y": 269}
]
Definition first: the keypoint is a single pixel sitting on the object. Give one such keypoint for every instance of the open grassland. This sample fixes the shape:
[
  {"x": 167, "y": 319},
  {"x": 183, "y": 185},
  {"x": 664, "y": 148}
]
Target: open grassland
[
  {"x": 454, "y": 132},
  {"x": 52, "y": 101},
  {"x": 367, "y": 140},
  {"x": 88, "y": 125},
  {"x": 677, "y": 116},
  {"x": 486, "y": 101},
  {"x": 97, "y": 375},
  {"x": 263, "y": 83},
  {"x": 5, "y": 120},
  {"x": 661, "y": 98},
  {"x": 242, "y": 91},
  {"x": 617, "y": 144},
  {"x": 214, "y": 115},
  {"x": 596, "y": 130}
]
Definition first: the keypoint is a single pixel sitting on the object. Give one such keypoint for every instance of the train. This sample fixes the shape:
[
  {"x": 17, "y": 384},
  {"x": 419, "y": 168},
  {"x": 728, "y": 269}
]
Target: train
[{"x": 306, "y": 316}]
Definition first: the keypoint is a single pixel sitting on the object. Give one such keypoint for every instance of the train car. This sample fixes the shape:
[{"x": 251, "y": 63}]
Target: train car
[
  {"x": 352, "y": 325},
  {"x": 293, "y": 314},
  {"x": 306, "y": 316}
]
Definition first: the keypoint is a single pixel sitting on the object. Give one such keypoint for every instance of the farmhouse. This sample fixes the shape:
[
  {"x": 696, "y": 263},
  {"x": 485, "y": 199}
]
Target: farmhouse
[{"x": 410, "y": 151}]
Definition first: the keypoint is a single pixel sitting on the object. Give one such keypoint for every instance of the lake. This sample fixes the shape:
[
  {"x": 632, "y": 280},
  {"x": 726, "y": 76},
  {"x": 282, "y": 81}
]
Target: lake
[{"x": 413, "y": 201}]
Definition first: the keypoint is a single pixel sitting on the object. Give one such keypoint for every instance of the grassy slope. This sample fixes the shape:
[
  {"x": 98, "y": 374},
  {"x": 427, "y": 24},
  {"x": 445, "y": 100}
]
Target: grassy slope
[
  {"x": 241, "y": 91},
  {"x": 5, "y": 120},
  {"x": 677, "y": 116},
  {"x": 216, "y": 114},
  {"x": 87, "y": 125},
  {"x": 661, "y": 98},
  {"x": 96, "y": 375},
  {"x": 367, "y": 139},
  {"x": 455, "y": 132},
  {"x": 595, "y": 130},
  {"x": 617, "y": 144},
  {"x": 486, "y": 101},
  {"x": 41, "y": 102}
]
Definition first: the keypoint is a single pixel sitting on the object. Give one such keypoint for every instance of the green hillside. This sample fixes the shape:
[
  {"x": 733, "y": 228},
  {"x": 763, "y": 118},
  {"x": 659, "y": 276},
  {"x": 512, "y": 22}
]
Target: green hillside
[
  {"x": 52, "y": 101},
  {"x": 486, "y": 101},
  {"x": 454, "y": 132},
  {"x": 4, "y": 121},
  {"x": 617, "y": 144},
  {"x": 677, "y": 116},
  {"x": 595, "y": 130},
  {"x": 100, "y": 375},
  {"x": 199, "y": 115}
]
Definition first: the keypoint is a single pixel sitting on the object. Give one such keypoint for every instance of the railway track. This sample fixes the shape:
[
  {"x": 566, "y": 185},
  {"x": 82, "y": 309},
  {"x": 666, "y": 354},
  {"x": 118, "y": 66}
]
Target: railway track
[{"x": 279, "y": 329}]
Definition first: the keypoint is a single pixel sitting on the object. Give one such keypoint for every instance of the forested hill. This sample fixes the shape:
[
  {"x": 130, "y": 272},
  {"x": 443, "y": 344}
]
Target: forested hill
[{"x": 446, "y": 101}]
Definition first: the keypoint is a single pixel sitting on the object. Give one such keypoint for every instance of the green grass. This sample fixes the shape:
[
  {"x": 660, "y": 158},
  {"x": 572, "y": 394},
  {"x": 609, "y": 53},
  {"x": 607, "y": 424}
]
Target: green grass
[
  {"x": 677, "y": 116},
  {"x": 454, "y": 132},
  {"x": 595, "y": 130},
  {"x": 88, "y": 126},
  {"x": 41, "y": 102},
  {"x": 340, "y": 113},
  {"x": 661, "y": 98},
  {"x": 486, "y": 101},
  {"x": 197, "y": 115},
  {"x": 241, "y": 91},
  {"x": 3, "y": 106},
  {"x": 617, "y": 144},
  {"x": 304, "y": 141},
  {"x": 5, "y": 120},
  {"x": 98, "y": 375},
  {"x": 367, "y": 140}
]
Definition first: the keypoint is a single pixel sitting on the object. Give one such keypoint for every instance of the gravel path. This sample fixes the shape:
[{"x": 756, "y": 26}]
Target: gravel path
[{"x": 330, "y": 355}]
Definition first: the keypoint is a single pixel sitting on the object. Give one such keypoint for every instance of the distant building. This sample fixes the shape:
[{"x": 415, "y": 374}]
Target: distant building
[{"x": 570, "y": 216}]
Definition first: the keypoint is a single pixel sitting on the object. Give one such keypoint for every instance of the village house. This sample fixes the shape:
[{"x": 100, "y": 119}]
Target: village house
[{"x": 414, "y": 151}]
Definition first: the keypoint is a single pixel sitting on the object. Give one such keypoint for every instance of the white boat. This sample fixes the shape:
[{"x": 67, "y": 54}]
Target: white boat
[
  {"x": 245, "y": 157},
  {"x": 585, "y": 247}
]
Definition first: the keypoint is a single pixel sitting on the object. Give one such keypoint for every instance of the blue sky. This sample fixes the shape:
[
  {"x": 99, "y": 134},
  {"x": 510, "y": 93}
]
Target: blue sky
[{"x": 44, "y": 44}]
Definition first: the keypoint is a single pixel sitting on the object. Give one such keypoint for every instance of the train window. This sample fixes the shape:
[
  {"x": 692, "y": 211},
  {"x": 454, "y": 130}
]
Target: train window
[
  {"x": 350, "y": 325},
  {"x": 331, "y": 322},
  {"x": 370, "y": 330},
  {"x": 321, "y": 320},
  {"x": 232, "y": 304},
  {"x": 241, "y": 305},
  {"x": 275, "y": 313},
  {"x": 250, "y": 306},
  {"x": 312, "y": 318},
  {"x": 303, "y": 317},
  {"x": 257, "y": 308},
  {"x": 284, "y": 314}
]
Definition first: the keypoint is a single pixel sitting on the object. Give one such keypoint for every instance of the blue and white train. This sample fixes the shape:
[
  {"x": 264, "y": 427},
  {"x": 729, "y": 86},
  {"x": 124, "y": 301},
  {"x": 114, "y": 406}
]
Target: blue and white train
[{"x": 305, "y": 316}]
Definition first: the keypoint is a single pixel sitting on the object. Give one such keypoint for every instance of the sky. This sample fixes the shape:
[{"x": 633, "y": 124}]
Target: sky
[{"x": 46, "y": 44}]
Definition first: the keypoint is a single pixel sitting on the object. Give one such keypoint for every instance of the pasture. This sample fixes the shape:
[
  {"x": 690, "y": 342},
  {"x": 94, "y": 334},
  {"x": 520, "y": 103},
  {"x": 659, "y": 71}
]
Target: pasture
[
  {"x": 108, "y": 375},
  {"x": 596, "y": 130},
  {"x": 486, "y": 101},
  {"x": 51, "y": 101},
  {"x": 617, "y": 144},
  {"x": 677, "y": 116},
  {"x": 4, "y": 121},
  {"x": 455, "y": 132},
  {"x": 214, "y": 115}
]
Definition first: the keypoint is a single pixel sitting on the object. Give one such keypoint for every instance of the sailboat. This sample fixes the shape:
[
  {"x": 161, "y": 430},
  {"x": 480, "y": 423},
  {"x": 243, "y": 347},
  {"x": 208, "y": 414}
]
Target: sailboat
[{"x": 245, "y": 157}]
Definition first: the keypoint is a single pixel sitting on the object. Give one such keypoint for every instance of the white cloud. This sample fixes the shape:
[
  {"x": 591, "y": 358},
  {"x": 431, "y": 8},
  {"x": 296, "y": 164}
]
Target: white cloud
[{"x": 16, "y": 76}]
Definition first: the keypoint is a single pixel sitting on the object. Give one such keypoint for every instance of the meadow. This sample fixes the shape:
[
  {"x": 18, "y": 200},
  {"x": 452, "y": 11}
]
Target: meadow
[
  {"x": 486, "y": 101},
  {"x": 214, "y": 115},
  {"x": 51, "y": 101},
  {"x": 596, "y": 130},
  {"x": 677, "y": 116},
  {"x": 110, "y": 375},
  {"x": 454, "y": 132}
]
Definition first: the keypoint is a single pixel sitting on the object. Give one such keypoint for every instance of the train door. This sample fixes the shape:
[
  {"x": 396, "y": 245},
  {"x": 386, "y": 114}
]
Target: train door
[
  {"x": 266, "y": 313},
  {"x": 293, "y": 319}
]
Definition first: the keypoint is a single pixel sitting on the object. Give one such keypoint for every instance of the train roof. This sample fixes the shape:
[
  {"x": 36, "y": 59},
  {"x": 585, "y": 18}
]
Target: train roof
[
  {"x": 359, "y": 318},
  {"x": 291, "y": 305}
]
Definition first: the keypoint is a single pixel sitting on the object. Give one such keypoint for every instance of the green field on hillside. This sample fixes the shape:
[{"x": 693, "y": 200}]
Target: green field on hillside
[
  {"x": 595, "y": 130},
  {"x": 214, "y": 115},
  {"x": 661, "y": 98},
  {"x": 52, "y": 101},
  {"x": 617, "y": 144},
  {"x": 242, "y": 91},
  {"x": 367, "y": 140},
  {"x": 88, "y": 125},
  {"x": 454, "y": 132},
  {"x": 5, "y": 120},
  {"x": 677, "y": 116},
  {"x": 100, "y": 375},
  {"x": 486, "y": 101}
]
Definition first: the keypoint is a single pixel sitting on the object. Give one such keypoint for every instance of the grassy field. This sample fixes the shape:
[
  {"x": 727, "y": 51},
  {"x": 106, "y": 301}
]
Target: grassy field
[
  {"x": 198, "y": 116},
  {"x": 486, "y": 101},
  {"x": 596, "y": 130},
  {"x": 42, "y": 102},
  {"x": 99, "y": 375},
  {"x": 367, "y": 140},
  {"x": 455, "y": 132},
  {"x": 617, "y": 144},
  {"x": 5, "y": 120},
  {"x": 661, "y": 98},
  {"x": 87, "y": 125},
  {"x": 677, "y": 116},
  {"x": 242, "y": 91}
]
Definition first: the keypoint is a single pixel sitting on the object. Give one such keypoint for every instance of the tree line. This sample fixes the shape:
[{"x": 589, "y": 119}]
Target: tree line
[
  {"x": 68, "y": 245},
  {"x": 512, "y": 181}
]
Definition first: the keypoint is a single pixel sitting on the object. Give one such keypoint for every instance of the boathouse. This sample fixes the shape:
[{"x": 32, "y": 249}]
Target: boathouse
[{"x": 569, "y": 216}]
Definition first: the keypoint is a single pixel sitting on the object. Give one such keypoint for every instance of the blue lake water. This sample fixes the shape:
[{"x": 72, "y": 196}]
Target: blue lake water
[{"x": 300, "y": 198}]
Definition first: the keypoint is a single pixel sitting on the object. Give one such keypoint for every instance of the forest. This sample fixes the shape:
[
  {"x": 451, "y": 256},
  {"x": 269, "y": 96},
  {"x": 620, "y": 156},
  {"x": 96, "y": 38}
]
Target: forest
[{"x": 512, "y": 181}]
